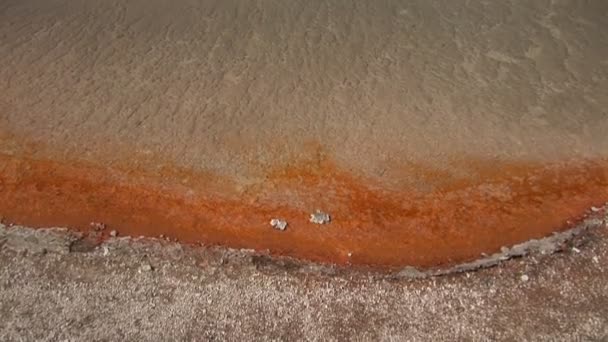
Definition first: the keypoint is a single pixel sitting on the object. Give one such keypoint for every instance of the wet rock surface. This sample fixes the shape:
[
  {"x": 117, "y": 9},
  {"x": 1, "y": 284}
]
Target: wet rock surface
[{"x": 37, "y": 241}]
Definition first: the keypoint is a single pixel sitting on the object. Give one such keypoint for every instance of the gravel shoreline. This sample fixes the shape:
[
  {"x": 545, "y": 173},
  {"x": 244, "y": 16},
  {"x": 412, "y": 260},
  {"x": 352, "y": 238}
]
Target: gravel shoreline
[{"x": 56, "y": 286}]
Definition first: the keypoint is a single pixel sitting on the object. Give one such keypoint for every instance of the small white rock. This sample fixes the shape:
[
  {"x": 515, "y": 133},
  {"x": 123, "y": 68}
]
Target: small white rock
[
  {"x": 279, "y": 224},
  {"x": 145, "y": 268},
  {"x": 595, "y": 209},
  {"x": 113, "y": 233},
  {"x": 524, "y": 278},
  {"x": 596, "y": 260},
  {"x": 576, "y": 250},
  {"x": 97, "y": 226},
  {"x": 320, "y": 217}
]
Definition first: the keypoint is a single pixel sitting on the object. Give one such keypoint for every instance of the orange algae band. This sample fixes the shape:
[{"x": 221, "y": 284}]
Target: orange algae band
[{"x": 369, "y": 226}]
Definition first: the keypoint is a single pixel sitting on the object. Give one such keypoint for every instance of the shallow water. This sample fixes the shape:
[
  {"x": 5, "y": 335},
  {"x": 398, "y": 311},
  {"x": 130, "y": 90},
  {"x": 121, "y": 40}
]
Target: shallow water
[{"x": 430, "y": 131}]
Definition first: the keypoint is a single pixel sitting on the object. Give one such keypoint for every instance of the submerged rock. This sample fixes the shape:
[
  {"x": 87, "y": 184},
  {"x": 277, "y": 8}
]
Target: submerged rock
[
  {"x": 279, "y": 224},
  {"x": 320, "y": 217}
]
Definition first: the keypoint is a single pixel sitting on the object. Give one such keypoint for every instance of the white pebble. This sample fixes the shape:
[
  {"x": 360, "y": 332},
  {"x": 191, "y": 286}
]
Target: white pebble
[
  {"x": 97, "y": 226},
  {"x": 279, "y": 224},
  {"x": 320, "y": 217},
  {"x": 145, "y": 268},
  {"x": 524, "y": 277}
]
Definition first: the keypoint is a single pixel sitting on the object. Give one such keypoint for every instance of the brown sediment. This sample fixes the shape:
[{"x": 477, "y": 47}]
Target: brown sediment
[{"x": 500, "y": 204}]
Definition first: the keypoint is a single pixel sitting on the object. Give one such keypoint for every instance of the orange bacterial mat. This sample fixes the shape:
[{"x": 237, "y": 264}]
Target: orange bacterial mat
[{"x": 369, "y": 225}]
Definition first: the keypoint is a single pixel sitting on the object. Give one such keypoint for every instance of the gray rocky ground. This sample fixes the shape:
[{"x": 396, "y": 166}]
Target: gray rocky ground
[{"x": 57, "y": 286}]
